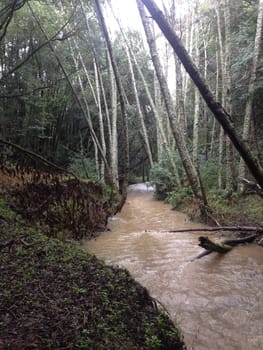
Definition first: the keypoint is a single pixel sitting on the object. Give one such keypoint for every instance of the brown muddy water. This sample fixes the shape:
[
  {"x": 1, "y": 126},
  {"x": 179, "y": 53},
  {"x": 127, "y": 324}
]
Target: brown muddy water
[{"x": 217, "y": 300}]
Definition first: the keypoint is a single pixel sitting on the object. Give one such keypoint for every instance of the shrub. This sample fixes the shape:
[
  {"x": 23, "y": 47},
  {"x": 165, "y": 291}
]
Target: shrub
[
  {"x": 84, "y": 168},
  {"x": 176, "y": 198},
  {"x": 163, "y": 178},
  {"x": 209, "y": 174}
]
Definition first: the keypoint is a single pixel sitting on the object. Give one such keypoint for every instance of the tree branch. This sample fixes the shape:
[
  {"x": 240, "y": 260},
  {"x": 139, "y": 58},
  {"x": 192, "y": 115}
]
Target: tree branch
[
  {"x": 258, "y": 229},
  {"x": 47, "y": 42},
  {"x": 37, "y": 156}
]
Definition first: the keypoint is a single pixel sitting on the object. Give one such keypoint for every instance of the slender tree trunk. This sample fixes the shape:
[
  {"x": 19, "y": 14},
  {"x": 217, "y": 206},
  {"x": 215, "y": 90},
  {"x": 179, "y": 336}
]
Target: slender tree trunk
[
  {"x": 251, "y": 89},
  {"x": 190, "y": 50},
  {"x": 197, "y": 103},
  {"x": 216, "y": 108},
  {"x": 206, "y": 117},
  {"x": 111, "y": 122},
  {"x": 140, "y": 113},
  {"x": 162, "y": 142},
  {"x": 182, "y": 119},
  {"x": 73, "y": 91},
  {"x": 213, "y": 133},
  {"x": 114, "y": 118},
  {"x": 222, "y": 70},
  {"x": 191, "y": 173},
  {"x": 87, "y": 111},
  {"x": 122, "y": 102},
  {"x": 101, "y": 124},
  {"x": 228, "y": 96}
]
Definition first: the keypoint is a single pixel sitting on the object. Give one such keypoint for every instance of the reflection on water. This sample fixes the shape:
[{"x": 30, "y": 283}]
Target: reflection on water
[{"x": 217, "y": 300}]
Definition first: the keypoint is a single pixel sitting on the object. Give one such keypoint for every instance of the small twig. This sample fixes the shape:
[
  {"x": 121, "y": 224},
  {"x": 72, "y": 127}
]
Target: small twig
[
  {"x": 25, "y": 243},
  {"x": 156, "y": 301}
]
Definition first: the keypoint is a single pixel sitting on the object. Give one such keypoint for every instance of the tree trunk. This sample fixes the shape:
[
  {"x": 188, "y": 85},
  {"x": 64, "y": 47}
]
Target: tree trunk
[
  {"x": 196, "y": 102},
  {"x": 140, "y": 113},
  {"x": 191, "y": 172},
  {"x": 101, "y": 125},
  {"x": 73, "y": 91},
  {"x": 216, "y": 108},
  {"x": 222, "y": 70},
  {"x": 228, "y": 96},
  {"x": 114, "y": 118},
  {"x": 122, "y": 102},
  {"x": 251, "y": 88}
]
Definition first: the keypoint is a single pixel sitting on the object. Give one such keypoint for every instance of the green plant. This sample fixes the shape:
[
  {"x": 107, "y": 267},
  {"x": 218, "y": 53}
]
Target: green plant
[
  {"x": 83, "y": 167},
  {"x": 163, "y": 178},
  {"x": 153, "y": 342},
  {"x": 209, "y": 174},
  {"x": 176, "y": 198}
]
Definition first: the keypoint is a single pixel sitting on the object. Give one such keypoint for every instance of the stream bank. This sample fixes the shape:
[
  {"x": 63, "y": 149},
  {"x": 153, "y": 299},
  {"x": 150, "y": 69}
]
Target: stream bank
[
  {"x": 55, "y": 296},
  {"x": 216, "y": 300}
]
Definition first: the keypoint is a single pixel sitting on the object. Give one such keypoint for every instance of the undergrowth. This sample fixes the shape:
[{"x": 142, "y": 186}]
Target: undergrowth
[
  {"x": 67, "y": 207},
  {"x": 55, "y": 296}
]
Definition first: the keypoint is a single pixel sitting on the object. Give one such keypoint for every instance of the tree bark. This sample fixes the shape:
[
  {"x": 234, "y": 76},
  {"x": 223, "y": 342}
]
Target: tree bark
[
  {"x": 196, "y": 101},
  {"x": 228, "y": 96},
  {"x": 191, "y": 172},
  {"x": 140, "y": 113},
  {"x": 251, "y": 88},
  {"x": 122, "y": 102},
  {"x": 216, "y": 108}
]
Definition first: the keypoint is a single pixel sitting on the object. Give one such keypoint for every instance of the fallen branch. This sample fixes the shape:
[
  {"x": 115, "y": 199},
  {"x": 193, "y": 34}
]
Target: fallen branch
[
  {"x": 252, "y": 185},
  {"x": 199, "y": 256},
  {"x": 37, "y": 156},
  {"x": 220, "y": 228}
]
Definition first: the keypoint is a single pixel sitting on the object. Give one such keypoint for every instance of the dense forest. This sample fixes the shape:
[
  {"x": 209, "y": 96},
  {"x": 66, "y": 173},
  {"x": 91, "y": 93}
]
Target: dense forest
[
  {"x": 101, "y": 102},
  {"x": 95, "y": 96}
]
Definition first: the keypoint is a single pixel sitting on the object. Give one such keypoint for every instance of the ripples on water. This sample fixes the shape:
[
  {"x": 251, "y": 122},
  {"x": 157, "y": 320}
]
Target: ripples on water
[{"x": 216, "y": 300}]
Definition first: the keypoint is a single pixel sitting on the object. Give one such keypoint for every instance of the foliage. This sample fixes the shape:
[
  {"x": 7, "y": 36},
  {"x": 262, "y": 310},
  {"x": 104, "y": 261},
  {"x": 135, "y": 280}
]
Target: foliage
[
  {"x": 163, "y": 178},
  {"x": 83, "y": 167},
  {"x": 176, "y": 198},
  {"x": 209, "y": 174},
  {"x": 232, "y": 208}
]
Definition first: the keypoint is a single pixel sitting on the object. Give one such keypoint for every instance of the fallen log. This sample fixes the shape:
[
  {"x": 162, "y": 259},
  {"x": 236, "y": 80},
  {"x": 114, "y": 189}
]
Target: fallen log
[
  {"x": 234, "y": 242},
  {"x": 220, "y": 247},
  {"x": 220, "y": 228},
  {"x": 212, "y": 246}
]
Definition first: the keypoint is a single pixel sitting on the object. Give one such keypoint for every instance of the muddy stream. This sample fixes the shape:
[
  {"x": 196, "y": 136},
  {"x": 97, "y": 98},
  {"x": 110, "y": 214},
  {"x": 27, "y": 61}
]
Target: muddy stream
[{"x": 217, "y": 300}]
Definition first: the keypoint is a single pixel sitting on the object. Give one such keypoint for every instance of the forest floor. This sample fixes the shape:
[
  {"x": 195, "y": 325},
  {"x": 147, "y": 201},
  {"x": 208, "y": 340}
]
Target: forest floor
[{"x": 55, "y": 296}]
